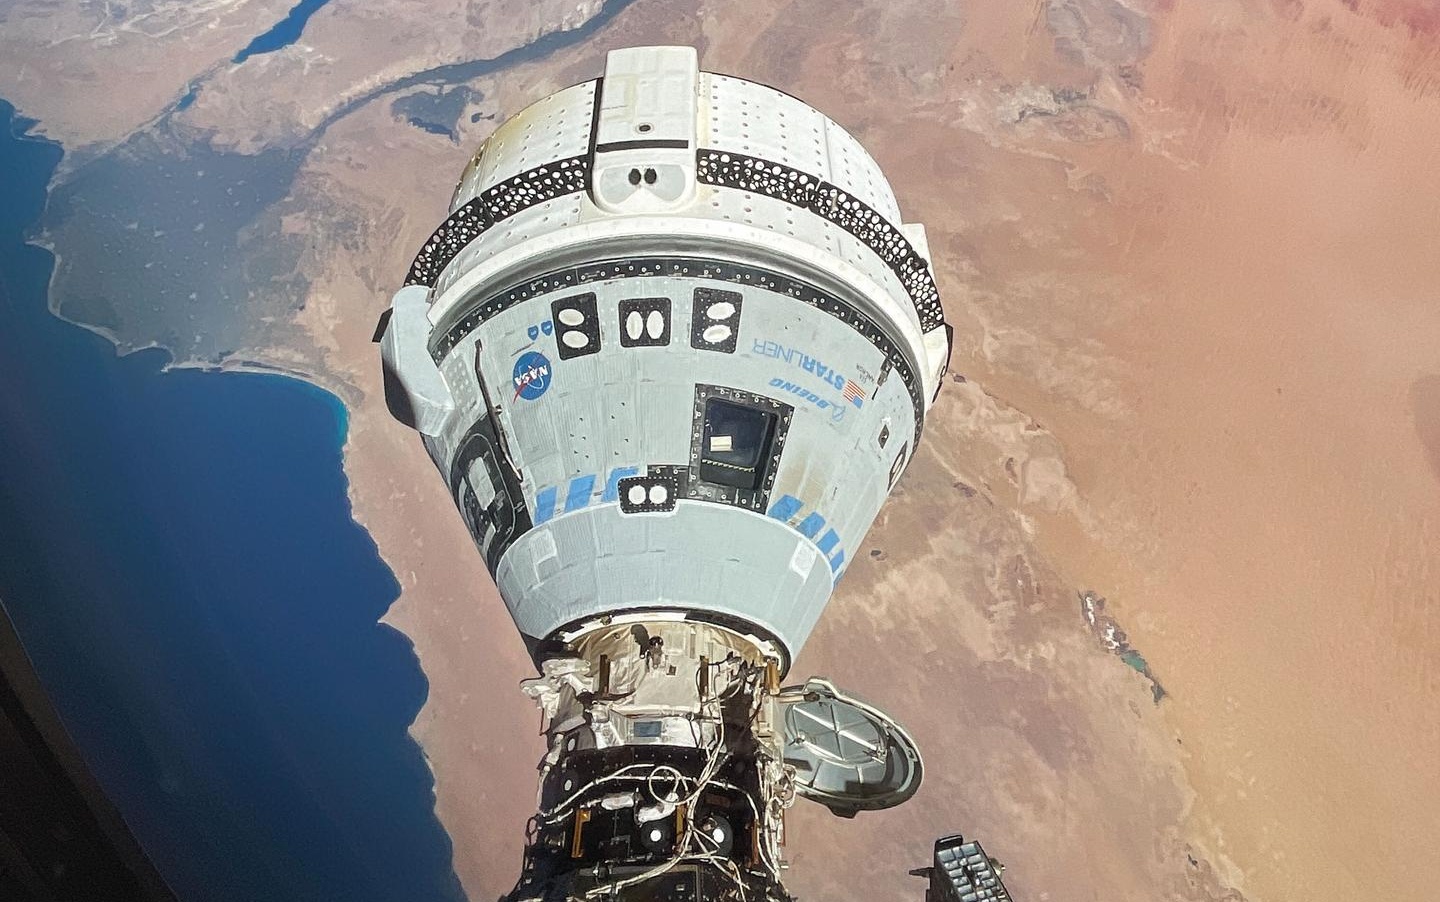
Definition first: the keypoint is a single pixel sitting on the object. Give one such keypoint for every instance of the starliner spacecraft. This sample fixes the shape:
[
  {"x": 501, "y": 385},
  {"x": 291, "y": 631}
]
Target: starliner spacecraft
[{"x": 671, "y": 350}]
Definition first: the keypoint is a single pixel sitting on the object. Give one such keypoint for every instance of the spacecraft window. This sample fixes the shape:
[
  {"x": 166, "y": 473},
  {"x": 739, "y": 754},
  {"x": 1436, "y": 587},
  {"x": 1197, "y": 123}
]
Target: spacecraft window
[{"x": 735, "y": 444}]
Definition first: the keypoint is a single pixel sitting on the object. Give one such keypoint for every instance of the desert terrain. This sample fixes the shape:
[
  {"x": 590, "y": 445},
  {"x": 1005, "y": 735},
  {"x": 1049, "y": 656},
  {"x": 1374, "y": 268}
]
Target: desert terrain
[{"x": 1191, "y": 252}]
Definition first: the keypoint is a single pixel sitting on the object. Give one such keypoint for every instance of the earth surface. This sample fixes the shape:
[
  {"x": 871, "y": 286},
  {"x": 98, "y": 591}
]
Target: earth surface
[{"x": 1191, "y": 251}]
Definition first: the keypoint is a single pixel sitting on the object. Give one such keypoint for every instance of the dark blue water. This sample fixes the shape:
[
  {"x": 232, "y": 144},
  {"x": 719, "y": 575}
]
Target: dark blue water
[
  {"x": 177, "y": 553},
  {"x": 284, "y": 33}
]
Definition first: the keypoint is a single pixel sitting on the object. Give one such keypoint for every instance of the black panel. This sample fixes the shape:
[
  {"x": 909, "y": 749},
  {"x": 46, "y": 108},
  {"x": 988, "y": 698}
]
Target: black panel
[
  {"x": 648, "y": 494},
  {"x": 637, "y": 319},
  {"x": 712, "y": 476},
  {"x": 479, "y": 471},
  {"x": 535, "y": 186},
  {"x": 467, "y": 223},
  {"x": 577, "y": 326},
  {"x": 715, "y": 320},
  {"x": 757, "y": 176},
  {"x": 644, "y": 144},
  {"x": 677, "y": 472},
  {"x": 864, "y": 222},
  {"x": 898, "y": 466},
  {"x": 735, "y": 443},
  {"x": 724, "y": 169},
  {"x": 382, "y": 324},
  {"x": 834, "y": 204},
  {"x": 505, "y": 199},
  {"x": 442, "y": 343}
]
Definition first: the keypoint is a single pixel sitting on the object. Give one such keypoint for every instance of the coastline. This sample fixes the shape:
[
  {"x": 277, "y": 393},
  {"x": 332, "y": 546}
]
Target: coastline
[
  {"x": 344, "y": 393},
  {"x": 135, "y": 711}
]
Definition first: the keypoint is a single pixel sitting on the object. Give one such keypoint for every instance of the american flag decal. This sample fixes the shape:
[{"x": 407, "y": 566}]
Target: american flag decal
[{"x": 854, "y": 393}]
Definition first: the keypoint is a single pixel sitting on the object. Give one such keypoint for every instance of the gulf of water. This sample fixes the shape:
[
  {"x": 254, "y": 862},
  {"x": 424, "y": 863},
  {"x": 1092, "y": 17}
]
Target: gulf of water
[
  {"x": 177, "y": 553},
  {"x": 283, "y": 33}
]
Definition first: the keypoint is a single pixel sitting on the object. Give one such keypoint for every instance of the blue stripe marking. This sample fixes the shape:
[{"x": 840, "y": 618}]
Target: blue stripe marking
[
  {"x": 579, "y": 493},
  {"x": 545, "y": 504},
  {"x": 810, "y": 526},
  {"x": 612, "y": 483},
  {"x": 787, "y": 507}
]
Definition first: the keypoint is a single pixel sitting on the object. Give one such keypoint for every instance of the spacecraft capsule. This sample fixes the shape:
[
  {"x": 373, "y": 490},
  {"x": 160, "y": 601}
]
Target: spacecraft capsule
[{"x": 670, "y": 351}]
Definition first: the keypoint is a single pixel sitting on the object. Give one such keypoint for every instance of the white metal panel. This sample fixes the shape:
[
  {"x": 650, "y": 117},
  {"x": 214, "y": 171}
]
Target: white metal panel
[
  {"x": 748, "y": 118},
  {"x": 555, "y": 128},
  {"x": 625, "y": 408}
]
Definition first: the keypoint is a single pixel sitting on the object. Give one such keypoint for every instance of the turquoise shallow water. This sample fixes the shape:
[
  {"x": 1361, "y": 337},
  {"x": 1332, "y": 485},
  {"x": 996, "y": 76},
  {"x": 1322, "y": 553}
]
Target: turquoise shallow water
[{"x": 177, "y": 553}]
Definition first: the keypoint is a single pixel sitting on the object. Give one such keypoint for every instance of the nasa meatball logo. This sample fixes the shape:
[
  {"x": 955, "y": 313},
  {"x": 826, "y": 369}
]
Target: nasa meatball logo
[{"x": 531, "y": 376}]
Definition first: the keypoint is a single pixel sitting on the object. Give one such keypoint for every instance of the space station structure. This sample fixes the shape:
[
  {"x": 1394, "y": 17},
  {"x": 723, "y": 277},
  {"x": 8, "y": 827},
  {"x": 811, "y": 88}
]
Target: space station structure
[{"x": 670, "y": 351}]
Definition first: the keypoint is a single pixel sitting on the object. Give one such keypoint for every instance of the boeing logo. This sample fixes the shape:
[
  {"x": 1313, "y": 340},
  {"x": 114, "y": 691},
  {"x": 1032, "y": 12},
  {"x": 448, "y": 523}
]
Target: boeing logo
[
  {"x": 837, "y": 413},
  {"x": 848, "y": 388}
]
